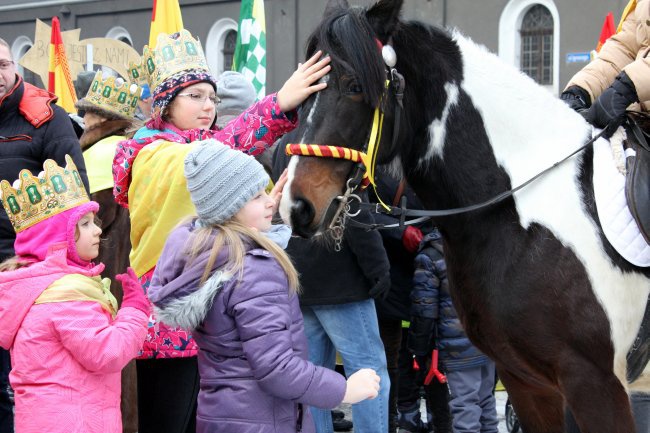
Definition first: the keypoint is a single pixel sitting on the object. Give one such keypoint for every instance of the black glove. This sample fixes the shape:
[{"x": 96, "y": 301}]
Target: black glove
[
  {"x": 381, "y": 288},
  {"x": 576, "y": 97},
  {"x": 419, "y": 336},
  {"x": 424, "y": 363},
  {"x": 608, "y": 111}
]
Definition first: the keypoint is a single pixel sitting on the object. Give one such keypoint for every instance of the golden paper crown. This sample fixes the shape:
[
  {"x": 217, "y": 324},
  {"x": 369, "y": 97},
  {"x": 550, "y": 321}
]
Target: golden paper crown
[
  {"x": 169, "y": 57},
  {"x": 33, "y": 199},
  {"x": 113, "y": 95}
]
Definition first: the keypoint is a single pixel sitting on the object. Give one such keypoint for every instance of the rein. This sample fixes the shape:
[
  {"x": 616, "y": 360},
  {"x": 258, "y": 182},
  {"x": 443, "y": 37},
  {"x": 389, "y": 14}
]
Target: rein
[{"x": 425, "y": 215}]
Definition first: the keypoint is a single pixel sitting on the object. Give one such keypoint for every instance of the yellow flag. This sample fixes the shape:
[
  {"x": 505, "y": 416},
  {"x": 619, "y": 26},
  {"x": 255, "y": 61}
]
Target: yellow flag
[
  {"x": 59, "y": 78},
  {"x": 165, "y": 18},
  {"x": 629, "y": 8}
]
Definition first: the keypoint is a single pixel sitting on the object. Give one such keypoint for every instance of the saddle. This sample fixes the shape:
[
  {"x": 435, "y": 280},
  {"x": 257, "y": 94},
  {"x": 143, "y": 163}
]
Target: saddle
[
  {"x": 637, "y": 193},
  {"x": 637, "y": 185}
]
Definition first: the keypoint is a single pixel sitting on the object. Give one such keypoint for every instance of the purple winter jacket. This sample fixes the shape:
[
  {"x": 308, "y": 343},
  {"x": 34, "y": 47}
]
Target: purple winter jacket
[{"x": 255, "y": 377}]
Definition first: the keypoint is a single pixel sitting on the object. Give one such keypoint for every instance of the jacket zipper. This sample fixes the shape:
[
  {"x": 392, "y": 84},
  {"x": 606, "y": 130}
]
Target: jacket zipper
[
  {"x": 19, "y": 137},
  {"x": 299, "y": 421}
]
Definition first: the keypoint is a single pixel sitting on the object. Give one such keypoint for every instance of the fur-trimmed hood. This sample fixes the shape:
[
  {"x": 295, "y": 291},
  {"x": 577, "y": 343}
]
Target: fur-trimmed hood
[
  {"x": 178, "y": 300},
  {"x": 102, "y": 130}
]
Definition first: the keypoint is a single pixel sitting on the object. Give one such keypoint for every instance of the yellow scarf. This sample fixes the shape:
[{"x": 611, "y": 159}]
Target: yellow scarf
[
  {"x": 158, "y": 200},
  {"x": 99, "y": 163},
  {"x": 76, "y": 287},
  {"x": 628, "y": 9}
]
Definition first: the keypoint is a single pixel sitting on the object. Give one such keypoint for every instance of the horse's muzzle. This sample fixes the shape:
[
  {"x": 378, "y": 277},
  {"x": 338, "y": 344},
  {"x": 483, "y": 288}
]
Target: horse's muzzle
[{"x": 302, "y": 217}]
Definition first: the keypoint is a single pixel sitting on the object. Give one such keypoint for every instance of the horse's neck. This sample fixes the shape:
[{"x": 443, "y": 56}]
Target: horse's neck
[{"x": 497, "y": 130}]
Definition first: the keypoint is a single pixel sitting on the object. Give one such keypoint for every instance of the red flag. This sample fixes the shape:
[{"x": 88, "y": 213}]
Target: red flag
[
  {"x": 59, "y": 78},
  {"x": 608, "y": 30}
]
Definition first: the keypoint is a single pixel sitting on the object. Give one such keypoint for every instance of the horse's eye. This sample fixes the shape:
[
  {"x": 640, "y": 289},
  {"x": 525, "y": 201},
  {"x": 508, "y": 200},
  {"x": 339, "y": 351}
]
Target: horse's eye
[{"x": 354, "y": 88}]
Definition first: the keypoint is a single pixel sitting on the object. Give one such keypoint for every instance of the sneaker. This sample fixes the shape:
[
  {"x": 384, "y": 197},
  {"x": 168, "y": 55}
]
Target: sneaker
[
  {"x": 342, "y": 424},
  {"x": 337, "y": 414}
]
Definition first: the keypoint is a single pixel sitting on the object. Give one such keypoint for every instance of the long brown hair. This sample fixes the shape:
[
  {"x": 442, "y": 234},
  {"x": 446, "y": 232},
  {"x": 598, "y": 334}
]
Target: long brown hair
[
  {"x": 233, "y": 234},
  {"x": 13, "y": 263}
]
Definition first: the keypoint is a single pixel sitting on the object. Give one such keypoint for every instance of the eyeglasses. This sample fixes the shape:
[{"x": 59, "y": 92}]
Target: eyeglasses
[
  {"x": 6, "y": 64},
  {"x": 200, "y": 99}
]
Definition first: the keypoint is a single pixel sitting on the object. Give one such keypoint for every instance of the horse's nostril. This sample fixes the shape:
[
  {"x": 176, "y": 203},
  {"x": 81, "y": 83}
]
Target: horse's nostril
[{"x": 302, "y": 215}]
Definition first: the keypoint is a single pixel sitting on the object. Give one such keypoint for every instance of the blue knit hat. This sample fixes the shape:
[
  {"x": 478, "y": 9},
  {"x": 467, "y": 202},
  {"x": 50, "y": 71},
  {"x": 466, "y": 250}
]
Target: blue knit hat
[{"x": 221, "y": 180}]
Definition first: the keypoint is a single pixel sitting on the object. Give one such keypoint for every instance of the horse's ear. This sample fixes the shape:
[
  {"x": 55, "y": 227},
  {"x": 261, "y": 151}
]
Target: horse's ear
[
  {"x": 383, "y": 17},
  {"x": 334, "y": 6}
]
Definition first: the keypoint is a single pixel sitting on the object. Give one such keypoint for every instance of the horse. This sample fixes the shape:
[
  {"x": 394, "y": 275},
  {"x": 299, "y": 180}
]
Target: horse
[{"x": 537, "y": 286}]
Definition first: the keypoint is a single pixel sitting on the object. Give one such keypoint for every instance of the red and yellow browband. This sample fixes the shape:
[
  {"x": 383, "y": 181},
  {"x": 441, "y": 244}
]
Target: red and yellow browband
[{"x": 336, "y": 152}]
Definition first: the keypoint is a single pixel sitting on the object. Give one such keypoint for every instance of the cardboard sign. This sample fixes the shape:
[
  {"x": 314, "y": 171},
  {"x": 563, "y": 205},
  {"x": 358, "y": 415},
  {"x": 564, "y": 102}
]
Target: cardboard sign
[{"x": 106, "y": 52}]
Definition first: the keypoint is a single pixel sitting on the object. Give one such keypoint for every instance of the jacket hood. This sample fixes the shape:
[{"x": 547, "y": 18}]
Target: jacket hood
[
  {"x": 35, "y": 242},
  {"x": 177, "y": 299},
  {"x": 102, "y": 130},
  {"x": 20, "y": 288}
]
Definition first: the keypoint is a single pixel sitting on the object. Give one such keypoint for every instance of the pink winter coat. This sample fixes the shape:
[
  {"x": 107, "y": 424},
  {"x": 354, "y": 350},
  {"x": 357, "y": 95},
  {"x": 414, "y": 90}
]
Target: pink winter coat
[{"x": 66, "y": 356}]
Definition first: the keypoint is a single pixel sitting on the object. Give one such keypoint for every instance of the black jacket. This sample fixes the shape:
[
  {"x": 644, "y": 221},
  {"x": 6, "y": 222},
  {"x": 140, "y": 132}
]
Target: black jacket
[
  {"x": 331, "y": 277},
  {"x": 26, "y": 146},
  {"x": 397, "y": 305}
]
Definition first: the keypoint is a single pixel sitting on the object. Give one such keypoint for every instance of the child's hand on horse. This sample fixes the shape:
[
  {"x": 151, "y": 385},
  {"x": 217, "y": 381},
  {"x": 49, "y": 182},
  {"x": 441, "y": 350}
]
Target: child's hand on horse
[
  {"x": 301, "y": 85},
  {"x": 276, "y": 192},
  {"x": 362, "y": 385}
]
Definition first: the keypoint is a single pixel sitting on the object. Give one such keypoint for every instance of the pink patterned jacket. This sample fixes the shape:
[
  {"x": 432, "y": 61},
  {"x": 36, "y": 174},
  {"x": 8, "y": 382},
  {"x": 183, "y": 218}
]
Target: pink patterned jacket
[{"x": 252, "y": 132}]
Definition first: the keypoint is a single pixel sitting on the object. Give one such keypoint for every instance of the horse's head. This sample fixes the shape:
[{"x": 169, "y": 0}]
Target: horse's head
[{"x": 342, "y": 114}]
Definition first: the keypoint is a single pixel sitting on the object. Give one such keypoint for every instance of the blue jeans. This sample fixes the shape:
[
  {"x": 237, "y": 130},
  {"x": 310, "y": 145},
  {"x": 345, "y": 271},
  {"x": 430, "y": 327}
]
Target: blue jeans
[{"x": 353, "y": 331}]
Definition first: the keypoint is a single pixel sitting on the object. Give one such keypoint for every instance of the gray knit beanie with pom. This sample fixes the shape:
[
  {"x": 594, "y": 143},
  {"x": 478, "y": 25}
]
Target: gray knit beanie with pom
[{"x": 221, "y": 180}]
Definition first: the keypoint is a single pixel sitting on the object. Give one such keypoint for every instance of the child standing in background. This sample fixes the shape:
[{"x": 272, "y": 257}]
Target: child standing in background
[
  {"x": 68, "y": 341},
  {"x": 435, "y": 323},
  {"x": 226, "y": 277}
]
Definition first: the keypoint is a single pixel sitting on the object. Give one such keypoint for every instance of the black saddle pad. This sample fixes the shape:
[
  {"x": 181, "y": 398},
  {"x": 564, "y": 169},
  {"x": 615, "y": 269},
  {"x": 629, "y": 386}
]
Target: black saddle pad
[{"x": 637, "y": 188}]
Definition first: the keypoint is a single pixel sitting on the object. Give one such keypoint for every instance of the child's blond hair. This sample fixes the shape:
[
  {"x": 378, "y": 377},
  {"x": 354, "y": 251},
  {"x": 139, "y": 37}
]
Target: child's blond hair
[{"x": 233, "y": 235}]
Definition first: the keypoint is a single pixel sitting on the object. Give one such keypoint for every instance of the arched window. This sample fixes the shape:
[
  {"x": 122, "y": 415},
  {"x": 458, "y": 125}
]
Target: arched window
[
  {"x": 121, "y": 34},
  {"x": 220, "y": 45},
  {"x": 19, "y": 48},
  {"x": 513, "y": 36},
  {"x": 229, "y": 44},
  {"x": 537, "y": 44}
]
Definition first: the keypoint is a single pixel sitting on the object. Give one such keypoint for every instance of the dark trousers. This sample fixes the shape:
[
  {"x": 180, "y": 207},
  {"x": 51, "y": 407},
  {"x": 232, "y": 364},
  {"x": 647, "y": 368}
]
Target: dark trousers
[
  {"x": 411, "y": 389},
  {"x": 167, "y": 393},
  {"x": 6, "y": 400},
  {"x": 390, "y": 331}
]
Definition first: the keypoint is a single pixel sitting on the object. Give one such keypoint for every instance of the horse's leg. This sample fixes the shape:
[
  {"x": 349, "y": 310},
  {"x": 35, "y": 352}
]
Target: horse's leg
[
  {"x": 539, "y": 410},
  {"x": 129, "y": 399},
  {"x": 597, "y": 399}
]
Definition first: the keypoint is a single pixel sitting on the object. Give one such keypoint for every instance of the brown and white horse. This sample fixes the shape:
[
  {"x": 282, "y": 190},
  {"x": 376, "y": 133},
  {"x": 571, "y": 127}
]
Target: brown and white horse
[{"x": 537, "y": 286}]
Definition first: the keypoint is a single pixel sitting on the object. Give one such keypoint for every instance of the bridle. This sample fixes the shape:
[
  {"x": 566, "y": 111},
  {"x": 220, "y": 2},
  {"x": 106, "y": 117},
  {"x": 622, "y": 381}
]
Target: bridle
[{"x": 363, "y": 172}]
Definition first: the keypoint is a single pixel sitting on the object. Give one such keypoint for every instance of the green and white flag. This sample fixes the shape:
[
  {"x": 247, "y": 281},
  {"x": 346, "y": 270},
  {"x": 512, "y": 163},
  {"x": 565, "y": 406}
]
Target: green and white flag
[{"x": 250, "y": 52}]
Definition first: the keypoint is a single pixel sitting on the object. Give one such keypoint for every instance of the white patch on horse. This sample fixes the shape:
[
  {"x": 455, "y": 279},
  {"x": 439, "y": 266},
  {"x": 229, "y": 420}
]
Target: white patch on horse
[
  {"x": 555, "y": 199},
  {"x": 287, "y": 201},
  {"x": 437, "y": 129},
  {"x": 395, "y": 168}
]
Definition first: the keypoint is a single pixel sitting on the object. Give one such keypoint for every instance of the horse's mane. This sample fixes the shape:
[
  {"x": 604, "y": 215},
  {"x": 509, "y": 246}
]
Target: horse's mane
[{"x": 345, "y": 36}]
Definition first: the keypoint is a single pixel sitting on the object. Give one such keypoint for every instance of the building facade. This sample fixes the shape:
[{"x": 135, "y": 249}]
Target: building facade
[{"x": 548, "y": 39}]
